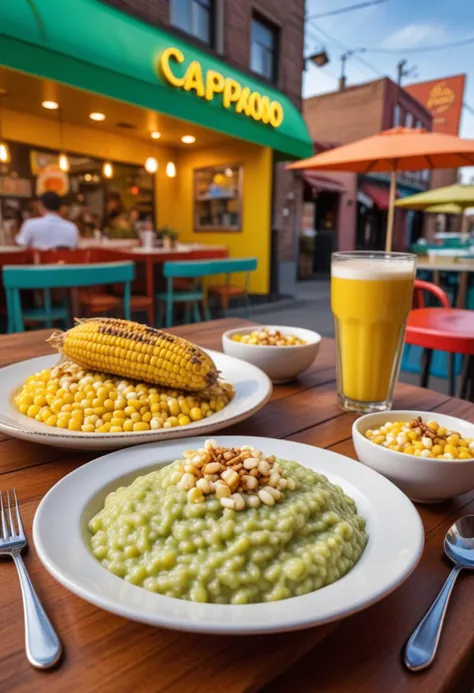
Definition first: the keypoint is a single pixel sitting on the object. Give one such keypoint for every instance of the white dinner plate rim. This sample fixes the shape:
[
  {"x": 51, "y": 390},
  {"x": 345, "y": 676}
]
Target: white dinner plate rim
[
  {"x": 211, "y": 618},
  {"x": 54, "y": 436}
]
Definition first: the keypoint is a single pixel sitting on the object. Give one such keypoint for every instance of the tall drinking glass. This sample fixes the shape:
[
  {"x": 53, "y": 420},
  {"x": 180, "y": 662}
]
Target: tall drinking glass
[{"x": 371, "y": 296}]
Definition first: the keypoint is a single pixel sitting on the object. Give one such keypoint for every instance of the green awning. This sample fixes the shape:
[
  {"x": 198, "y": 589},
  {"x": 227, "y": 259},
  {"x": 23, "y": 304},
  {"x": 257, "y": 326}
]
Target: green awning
[{"x": 89, "y": 45}]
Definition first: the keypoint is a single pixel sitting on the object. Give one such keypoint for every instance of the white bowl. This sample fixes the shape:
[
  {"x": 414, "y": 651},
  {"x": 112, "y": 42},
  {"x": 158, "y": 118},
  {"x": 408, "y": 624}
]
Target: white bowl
[
  {"x": 280, "y": 363},
  {"x": 424, "y": 480}
]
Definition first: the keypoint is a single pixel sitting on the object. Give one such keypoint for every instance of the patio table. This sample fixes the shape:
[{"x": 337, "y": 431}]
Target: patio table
[
  {"x": 462, "y": 267},
  {"x": 361, "y": 654}
]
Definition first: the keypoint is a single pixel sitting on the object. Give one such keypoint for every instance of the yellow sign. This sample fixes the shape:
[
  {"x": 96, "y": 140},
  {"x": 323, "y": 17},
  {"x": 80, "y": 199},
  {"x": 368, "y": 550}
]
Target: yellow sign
[
  {"x": 233, "y": 94},
  {"x": 440, "y": 98}
]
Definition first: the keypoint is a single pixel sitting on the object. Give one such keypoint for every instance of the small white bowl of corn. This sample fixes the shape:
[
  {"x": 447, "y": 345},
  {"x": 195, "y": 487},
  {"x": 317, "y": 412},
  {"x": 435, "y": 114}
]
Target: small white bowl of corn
[
  {"x": 280, "y": 352},
  {"x": 429, "y": 456}
]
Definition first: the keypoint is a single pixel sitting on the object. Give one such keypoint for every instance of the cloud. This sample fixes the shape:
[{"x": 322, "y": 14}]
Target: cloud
[{"x": 412, "y": 35}]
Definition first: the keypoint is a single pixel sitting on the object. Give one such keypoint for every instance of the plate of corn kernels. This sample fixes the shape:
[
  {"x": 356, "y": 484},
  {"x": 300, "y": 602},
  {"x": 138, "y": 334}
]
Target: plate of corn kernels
[{"x": 115, "y": 383}]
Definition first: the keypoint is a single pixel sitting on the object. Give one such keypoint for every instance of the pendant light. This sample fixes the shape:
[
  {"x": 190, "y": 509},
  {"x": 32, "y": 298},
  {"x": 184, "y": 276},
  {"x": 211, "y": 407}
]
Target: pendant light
[
  {"x": 63, "y": 163},
  {"x": 107, "y": 166},
  {"x": 63, "y": 157},
  {"x": 151, "y": 165},
  {"x": 107, "y": 169},
  {"x": 171, "y": 169},
  {"x": 4, "y": 149}
]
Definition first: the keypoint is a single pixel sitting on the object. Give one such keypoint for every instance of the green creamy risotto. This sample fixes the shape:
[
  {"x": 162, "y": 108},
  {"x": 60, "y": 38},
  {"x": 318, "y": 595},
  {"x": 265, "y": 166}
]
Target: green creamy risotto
[{"x": 151, "y": 535}]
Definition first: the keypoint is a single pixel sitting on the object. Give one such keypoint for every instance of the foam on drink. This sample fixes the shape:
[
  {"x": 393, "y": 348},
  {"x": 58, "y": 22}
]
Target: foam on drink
[{"x": 373, "y": 269}]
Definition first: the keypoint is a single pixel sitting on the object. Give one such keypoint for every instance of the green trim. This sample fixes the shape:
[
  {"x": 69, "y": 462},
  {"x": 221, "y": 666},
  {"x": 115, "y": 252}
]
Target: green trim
[{"x": 91, "y": 46}]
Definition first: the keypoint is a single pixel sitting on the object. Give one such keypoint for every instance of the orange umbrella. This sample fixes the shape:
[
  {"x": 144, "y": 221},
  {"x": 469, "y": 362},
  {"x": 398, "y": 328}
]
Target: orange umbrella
[{"x": 400, "y": 149}]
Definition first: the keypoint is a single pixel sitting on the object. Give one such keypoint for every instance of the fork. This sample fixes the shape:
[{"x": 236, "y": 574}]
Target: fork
[{"x": 43, "y": 647}]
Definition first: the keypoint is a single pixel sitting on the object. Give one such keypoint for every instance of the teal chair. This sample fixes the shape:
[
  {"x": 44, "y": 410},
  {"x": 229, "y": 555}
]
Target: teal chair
[
  {"x": 195, "y": 270},
  {"x": 228, "y": 291},
  {"x": 47, "y": 277}
]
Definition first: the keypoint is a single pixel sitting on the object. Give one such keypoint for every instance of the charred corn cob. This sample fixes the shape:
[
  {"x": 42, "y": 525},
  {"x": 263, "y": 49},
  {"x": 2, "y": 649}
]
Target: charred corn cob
[{"x": 136, "y": 351}]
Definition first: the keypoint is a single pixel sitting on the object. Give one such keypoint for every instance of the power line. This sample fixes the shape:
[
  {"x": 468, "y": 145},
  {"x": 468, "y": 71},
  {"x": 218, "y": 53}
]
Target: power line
[
  {"x": 426, "y": 49},
  {"x": 468, "y": 108},
  {"x": 347, "y": 8},
  {"x": 345, "y": 48}
]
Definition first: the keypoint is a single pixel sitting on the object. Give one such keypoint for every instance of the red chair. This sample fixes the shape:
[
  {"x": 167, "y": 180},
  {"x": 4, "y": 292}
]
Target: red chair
[
  {"x": 447, "y": 329},
  {"x": 60, "y": 257}
]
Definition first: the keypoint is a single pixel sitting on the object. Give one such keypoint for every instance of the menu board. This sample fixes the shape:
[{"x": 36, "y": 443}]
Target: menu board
[{"x": 218, "y": 198}]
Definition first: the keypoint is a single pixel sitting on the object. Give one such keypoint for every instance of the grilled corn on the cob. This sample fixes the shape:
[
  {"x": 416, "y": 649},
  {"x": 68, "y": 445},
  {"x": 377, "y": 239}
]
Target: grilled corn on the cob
[{"x": 136, "y": 351}]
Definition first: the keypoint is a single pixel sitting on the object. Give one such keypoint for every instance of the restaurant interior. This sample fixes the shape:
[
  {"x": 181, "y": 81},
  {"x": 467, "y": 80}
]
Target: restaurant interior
[{"x": 122, "y": 169}]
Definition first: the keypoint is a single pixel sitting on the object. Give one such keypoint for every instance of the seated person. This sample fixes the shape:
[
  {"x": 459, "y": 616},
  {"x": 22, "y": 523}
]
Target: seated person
[{"x": 50, "y": 230}]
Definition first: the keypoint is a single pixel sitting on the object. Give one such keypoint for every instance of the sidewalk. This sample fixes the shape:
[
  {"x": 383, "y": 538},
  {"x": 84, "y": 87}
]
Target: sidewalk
[{"x": 311, "y": 308}]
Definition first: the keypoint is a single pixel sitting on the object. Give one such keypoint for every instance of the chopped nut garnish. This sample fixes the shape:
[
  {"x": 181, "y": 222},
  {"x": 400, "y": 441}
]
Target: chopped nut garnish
[
  {"x": 238, "y": 477},
  {"x": 425, "y": 430}
]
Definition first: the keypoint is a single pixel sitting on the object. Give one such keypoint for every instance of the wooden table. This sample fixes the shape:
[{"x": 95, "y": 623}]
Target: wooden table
[
  {"x": 463, "y": 267},
  {"x": 359, "y": 655}
]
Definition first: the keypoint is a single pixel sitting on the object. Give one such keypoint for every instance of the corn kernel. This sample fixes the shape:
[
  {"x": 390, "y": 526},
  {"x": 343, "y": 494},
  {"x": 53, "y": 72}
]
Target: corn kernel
[
  {"x": 74, "y": 425},
  {"x": 450, "y": 448},
  {"x": 141, "y": 426}
]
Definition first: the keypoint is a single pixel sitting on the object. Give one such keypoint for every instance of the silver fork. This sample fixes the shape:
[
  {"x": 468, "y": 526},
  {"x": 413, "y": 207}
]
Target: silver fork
[{"x": 43, "y": 647}]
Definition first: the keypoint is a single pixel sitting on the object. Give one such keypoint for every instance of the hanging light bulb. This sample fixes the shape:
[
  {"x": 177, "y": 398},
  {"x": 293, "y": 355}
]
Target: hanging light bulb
[
  {"x": 171, "y": 169},
  {"x": 151, "y": 165},
  {"x": 107, "y": 170},
  {"x": 64, "y": 162},
  {"x": 4, "y": 148},
  {"x": 4, "y": 153}
]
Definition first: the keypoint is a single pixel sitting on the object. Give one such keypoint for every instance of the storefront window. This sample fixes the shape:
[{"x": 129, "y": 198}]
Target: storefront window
[
  {"x": 195, "y": 17},
  {"x": 397, "y": 115},
  {"x": 263, "y": 52},
  {"x": 218, "y": 198}
]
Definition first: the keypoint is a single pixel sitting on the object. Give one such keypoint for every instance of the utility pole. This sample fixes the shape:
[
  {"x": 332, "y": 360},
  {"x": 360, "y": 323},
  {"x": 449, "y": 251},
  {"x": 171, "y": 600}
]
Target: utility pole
[
  {"x": 344, "y": 59},
  {"x": 402, "y": 72}
]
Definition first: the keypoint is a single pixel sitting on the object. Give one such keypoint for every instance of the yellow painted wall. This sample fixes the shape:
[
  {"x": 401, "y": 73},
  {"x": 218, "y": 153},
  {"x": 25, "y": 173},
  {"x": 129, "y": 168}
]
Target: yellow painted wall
[
  {"x": 254, "y": 239},
  {"x": 44, "y": 132}
]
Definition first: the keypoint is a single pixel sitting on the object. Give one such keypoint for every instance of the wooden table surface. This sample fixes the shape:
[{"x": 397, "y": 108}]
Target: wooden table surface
[{"x": 361, "y": 654}]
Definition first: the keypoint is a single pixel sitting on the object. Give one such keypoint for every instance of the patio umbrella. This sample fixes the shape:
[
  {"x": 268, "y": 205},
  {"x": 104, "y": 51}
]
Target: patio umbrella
[
  {"x": 448, "y": 208},
  {"x": 399, "y": 149},
  {"x": 459, "y": 196}
]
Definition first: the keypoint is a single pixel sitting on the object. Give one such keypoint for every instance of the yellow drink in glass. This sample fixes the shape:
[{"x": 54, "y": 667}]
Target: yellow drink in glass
[{"x": 371, "y": 296}]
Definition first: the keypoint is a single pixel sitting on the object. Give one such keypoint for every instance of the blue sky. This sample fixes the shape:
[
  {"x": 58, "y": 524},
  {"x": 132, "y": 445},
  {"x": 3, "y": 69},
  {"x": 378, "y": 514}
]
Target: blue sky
[{"x": 399, "y": 25}]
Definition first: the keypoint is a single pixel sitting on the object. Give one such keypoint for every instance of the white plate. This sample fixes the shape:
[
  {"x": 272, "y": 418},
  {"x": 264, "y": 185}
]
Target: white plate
[
  {"x": 393, "y": 550},
  {"x": 252, "y": 391}
]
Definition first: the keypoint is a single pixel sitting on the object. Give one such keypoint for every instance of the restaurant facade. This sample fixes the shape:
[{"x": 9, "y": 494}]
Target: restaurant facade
[{"x": 140, "y": 124}]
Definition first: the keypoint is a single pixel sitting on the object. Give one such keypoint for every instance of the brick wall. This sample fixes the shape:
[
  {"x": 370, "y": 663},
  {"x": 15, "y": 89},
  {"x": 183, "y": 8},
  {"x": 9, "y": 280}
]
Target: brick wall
[
  {"x": 237, "y": 15},
  {"x": 289, "y": 17},
  {"x": 345, "y": 116},
  {"x": 152, "y": 11},
  {"x": 394, "y": 94}
]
